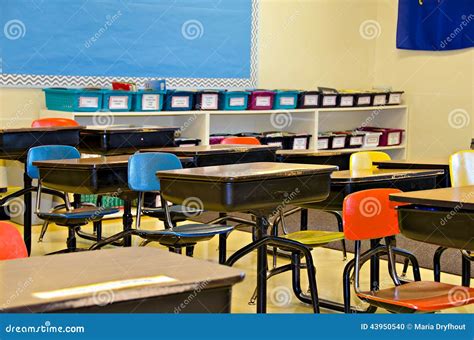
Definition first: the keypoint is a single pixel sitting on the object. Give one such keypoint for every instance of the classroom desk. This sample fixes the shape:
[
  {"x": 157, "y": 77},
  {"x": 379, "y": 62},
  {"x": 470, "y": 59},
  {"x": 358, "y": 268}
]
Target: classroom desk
[
  {"x": 223, "y": 154},
  {"x": 121, "y": 280},
  {"x": 14, "y": 145},
  {"x": 444, "y": 217},
  {"x": 444, "y": 180},
  {"x": 338, "y": 158},
  {"x": 124, "y": 139},
  {"x": 258, "y": 188}
]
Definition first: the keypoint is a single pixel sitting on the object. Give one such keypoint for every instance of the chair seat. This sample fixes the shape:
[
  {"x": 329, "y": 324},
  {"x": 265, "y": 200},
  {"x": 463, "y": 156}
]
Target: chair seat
[
  {"x": 178, "y": 213},
  {"x": 315, "y": 238},
  {"x": 420, "y": 296},
  {"x": 184, "y": 234},
  {"x": 77, "y": 217}
]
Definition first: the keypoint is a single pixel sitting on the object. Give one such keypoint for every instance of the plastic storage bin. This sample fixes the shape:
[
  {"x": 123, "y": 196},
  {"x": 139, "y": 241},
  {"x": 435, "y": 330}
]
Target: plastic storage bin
[
  {"x": 261, "y": 100},
  {"x": 156, "y": 85},
  {"x": 394, "y": 98},
  {"x": 354, "y": 139},
  {"x": 337, "y": 141},
  {"x": 207, "y": 100},
  {"x": 217, "y": 138},
  {"x": 328, "y": 97},
  {"x": 78, "y": 100},
  {"x": 379, "y": 99},
  {"x": 371, "y": 139},
  {"x": 182, "y": 142},
  {"x": 362, "y": 99},
  {"x": 309, "y": 99},
  {"x": 117, "y": 101},
  {"x": 179, "y": 100},
  {"x": 148, "y": 100},
  {"x": 233, "y": 100},
  {"x": 323, "y": 141},
  {"x": 345, "y": 99},
  {"x": 389, "y": 137},
  {"x": 285, "y": 100},
  {"x": 300, "y": 141}
]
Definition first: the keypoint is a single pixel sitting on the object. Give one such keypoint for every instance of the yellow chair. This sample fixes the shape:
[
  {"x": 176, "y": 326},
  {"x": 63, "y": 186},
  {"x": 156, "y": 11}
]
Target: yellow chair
[
  {"x": 364, "y": 160},
  {"x": 461, "y": 168}
]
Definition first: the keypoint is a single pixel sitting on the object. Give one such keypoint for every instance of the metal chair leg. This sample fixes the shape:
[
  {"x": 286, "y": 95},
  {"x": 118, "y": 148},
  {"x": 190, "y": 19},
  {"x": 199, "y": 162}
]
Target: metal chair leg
[
  {"x": 190, "y": 251},
  {"x": 437, "y": 263},
  {"x": 44, "y": 228},
  {"x": 71, "y": 239},
  {"x": 466, "y": 268}
]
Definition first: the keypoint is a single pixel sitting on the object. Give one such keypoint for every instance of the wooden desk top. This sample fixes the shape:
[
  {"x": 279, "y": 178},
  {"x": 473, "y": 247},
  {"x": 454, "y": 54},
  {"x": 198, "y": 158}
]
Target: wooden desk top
[
  {"x": 351, "y": 176},
  {"x": 126, "y": 128},
  {"x": 461, "y": 197},
  {"x": 247, "y": 172},
  {"x": 41, "y": 129},
  {"x": 131, "y": 273},
  {"x": 313, "y": 153},
  {"x": 433, "y": 163},
  {"x": 93, "y": 162},
  {"x": 213, "y": 149}
]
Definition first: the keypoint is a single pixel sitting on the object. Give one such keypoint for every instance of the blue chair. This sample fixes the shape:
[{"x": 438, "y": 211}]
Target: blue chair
[
  {"x": 142, "y": 169},
  {"x": 67, "y": 216}
]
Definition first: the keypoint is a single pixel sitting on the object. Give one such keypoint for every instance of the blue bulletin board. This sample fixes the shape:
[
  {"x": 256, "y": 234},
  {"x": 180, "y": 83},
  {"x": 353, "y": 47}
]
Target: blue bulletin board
[{"x": 191, "y": 43}]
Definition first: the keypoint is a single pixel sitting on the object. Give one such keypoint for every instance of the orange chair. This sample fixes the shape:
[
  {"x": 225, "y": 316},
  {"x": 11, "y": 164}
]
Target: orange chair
[
  {"x": 369, "y": 214},
  {"x": 51, "y": 122},
  {"x": 11, "y": 243},
  {"x": 241, "y": 140}
]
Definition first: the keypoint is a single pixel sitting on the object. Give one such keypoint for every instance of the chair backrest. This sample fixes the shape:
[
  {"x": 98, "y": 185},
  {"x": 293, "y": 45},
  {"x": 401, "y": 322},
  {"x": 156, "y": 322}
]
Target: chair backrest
[
  {"x": 461, "y": 168},
  {"x": 142, "y": 169},
  {"x": 369, "y": 214},
  {"x": 48, "y": 152},
  {"x": 241, "y": 140},
  {"x": 50, "y": 122},
  {"x": 364, "y": 160},
  {"x": 11, "y": 243}
]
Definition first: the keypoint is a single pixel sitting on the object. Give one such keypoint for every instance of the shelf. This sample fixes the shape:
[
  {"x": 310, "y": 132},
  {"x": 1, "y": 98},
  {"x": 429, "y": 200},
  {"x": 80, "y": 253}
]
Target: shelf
[
  {"x": 365, "y": 108},
  {"x": 378, "y": 148}
]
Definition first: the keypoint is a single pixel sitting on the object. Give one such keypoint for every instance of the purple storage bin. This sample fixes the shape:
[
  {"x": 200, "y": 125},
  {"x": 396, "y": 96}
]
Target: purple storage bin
[
  {"x": 261, "y": 100},
  {"x": 218, "y": 138}
]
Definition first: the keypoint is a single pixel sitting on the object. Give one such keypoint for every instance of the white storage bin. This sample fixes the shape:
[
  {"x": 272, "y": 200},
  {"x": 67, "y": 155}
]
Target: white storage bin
[{"x": 371, "y": 139}]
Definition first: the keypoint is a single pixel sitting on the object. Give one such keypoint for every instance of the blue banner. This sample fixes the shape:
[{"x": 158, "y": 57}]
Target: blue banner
[
  {"x": 435, "y": 25},
  {"x": 288, "y": 327}
]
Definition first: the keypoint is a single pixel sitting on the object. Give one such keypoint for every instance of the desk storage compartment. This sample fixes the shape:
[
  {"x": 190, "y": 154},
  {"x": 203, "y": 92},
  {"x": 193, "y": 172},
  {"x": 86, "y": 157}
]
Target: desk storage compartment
[
  {"x": 389, "y": 137},
  {"x": 362, "y": 99},
  {"x": 337, "y": 141},
  {"x": 437, "y": 226},
  {"x": 117, "y": 101},
  {"x": 217, "y": 138},
  {"x": 345, "y": 99},
  {"x": 233, "y": 100},
  {"x": 371, "y": 139},
  {"x": 183, "y": 142},
  {"x": 207, "y": 100},
  {"x": 286, "y": 100},
  {"x": 328, "y": 97},
  {"x": 179, "y": 100},
  {"x": 323, "y": 141},
  {"x": 354, "y": 139},
  {"x": 148, "y": 100},
  {"x": 73, "y": 100},
  {"x": 261, "y": 100},
  {"x": 394, "y": 97},
  {"x": 309, "y": 99},
  {"x": 379, "y": 99}
]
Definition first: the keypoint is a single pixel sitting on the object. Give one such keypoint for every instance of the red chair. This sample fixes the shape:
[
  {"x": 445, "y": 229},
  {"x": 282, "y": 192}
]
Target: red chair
[
  {"x": 51, "y": 122},
  {"x": 241, "y": 140},
  {"x": 370, "y": 215},
  {"x": 11, "y": 243}
]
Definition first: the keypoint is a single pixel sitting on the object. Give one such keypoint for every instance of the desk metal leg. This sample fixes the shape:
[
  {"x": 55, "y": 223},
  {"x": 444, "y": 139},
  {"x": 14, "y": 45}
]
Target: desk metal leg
[
  {"x": 127, "y": 221},
  {"x": 374, "y": 267},
  {"x": 262, "y": 266},
  {"x": 304, "y": 219},
  {"x": 466, "y": 269},
  {"x": 27, "y": 183}
]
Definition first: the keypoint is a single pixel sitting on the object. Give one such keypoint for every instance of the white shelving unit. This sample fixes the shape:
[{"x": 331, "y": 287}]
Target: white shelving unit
[{"x": 200, "y": 124}]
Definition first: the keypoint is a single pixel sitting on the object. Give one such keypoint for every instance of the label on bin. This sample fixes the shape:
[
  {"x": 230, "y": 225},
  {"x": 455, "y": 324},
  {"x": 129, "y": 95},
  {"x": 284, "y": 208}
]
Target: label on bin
[
  {"x": 180, "y": 102},
  {"x": 347, "y": 101},
  {"x": 371, "y": 140},
  {"x": 263, "y": 101},
  {"x": 311, "y": 100},
  {"x": 118, "y": 102},
  {"x": 89, "y": 102},
  {"x": 329, "y": 100},
  {"x": 365, "y": 100},
  {"x": 380, "y": 99},
  {"x": 395, "y": 98},
  {"x": 237, "y": 101},
  {"x": 356, "y": 141},
  {"x": 323, "y": 143},
  {"x": 209, "y": 101},
  {"x": 299, "y": 143},
  {"x": 338, "y": 142},
  {"x": 150, "y": 102},
  {"x": 284, "y": 101},
  {"x": 393, "y": 138},
  {"x": 279, "y": 144}
]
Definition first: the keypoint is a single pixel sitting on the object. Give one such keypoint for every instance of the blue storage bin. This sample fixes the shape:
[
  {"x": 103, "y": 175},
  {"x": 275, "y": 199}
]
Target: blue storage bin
[
  {"x": 285, "y": 100},
  {"x": 146, "y": 100},
  {"x": 78, "y": 100},
  {"x": 233, "y": 100},
  {"x": 179, "y": 100},
  {"x": 117, "y": 101}
]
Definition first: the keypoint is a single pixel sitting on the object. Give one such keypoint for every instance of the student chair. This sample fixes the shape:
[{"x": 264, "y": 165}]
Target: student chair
[
  {"x": 142, "y": 169},
  {"x": 461, "y": 169},
  {"x": 52, "y": 122},
  {"x": 72, "y": 218},
  {"x": 11, "y": 243},
  {"x": 241, "y": 140},
  {"x": 411, "y": 297},
  {"x": 363, "y": 160}
]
